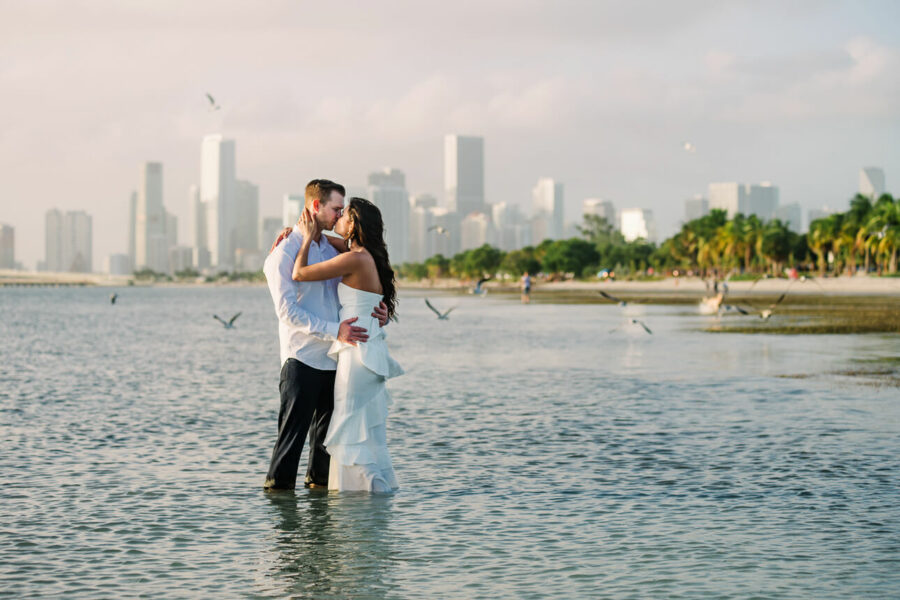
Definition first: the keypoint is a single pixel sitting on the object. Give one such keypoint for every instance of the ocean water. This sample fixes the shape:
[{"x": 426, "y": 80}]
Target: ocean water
[{"x": 542, "y": 451}]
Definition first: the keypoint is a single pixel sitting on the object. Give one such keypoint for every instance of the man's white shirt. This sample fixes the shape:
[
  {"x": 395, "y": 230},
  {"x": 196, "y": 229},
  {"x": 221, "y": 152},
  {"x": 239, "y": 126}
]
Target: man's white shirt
[{"x": 308, "y": 311}]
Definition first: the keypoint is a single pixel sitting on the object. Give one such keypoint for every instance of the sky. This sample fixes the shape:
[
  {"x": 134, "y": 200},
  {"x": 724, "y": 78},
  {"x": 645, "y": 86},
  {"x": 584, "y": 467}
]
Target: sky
[{"x": 598, "y": 95}]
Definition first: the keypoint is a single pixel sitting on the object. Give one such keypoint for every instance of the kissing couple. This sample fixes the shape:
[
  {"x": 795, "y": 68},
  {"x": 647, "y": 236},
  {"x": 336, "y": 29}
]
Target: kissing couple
[{"x": 333, "y": 297}]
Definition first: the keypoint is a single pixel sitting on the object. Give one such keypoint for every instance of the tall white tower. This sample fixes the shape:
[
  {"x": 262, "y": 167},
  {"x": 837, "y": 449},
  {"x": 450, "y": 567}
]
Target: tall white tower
[
  {"x": 387, "y": 191},
  {"x": 150, "y": 221},
  {"x": 217, "y": 194},
  {"x": 464, "y": 174},
  {"x": 548, "y": 209}
]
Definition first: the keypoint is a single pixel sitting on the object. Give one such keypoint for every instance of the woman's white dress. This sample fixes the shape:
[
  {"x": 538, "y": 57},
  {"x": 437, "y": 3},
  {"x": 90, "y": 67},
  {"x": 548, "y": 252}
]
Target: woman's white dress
[{"x": 357, "y": 437}]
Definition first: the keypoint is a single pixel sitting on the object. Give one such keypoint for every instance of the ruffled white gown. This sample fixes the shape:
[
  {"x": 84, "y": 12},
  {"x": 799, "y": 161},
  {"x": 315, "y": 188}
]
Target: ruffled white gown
[{"x": 357, "y": 437}]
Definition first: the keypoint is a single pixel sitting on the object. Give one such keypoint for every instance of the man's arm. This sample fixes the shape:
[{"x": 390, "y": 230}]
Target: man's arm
[{"x": 277, "y": 268}]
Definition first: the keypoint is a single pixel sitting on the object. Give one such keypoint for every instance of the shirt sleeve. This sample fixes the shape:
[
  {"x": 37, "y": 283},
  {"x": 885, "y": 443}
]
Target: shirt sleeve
[{"x": 279, "y": 268}]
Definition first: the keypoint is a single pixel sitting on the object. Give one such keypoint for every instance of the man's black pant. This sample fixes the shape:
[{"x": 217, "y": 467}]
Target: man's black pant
[{"x": 307, "y": 398}]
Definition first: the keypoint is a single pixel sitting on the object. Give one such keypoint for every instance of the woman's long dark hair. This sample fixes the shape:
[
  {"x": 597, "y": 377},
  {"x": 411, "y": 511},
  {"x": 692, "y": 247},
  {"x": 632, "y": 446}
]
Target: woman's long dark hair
[{"x": 368, "y": 232}]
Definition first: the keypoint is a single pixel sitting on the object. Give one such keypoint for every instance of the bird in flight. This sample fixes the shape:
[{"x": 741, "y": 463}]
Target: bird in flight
[
  {"x": 478, "y": 289},
  {"x": 618, "y": 301},
  {"x": 228, "y": 324},
  {"x": 212, "y": 102},
  {"x": 441, "y": 316},
  {"x": 113, "y": 297},
  {"x": 440, "y": 230},
  {"x": 634, "y": 322}
]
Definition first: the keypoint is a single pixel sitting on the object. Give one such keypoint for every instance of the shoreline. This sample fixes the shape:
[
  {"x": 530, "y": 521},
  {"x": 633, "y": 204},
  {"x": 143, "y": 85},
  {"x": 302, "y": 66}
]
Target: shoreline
[{"x": 682, "y": 287}]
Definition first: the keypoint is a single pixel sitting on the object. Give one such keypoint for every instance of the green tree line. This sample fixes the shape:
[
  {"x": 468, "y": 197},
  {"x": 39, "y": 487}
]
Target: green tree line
[{"x": 867, "y": 236}]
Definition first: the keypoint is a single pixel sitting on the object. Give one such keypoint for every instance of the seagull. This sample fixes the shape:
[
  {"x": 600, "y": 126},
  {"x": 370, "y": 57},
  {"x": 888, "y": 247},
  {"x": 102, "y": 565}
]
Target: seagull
[
  {"x": 478, "y": 289},
  {"x": 765, "y": 313},
  {"x": 613, "y": 298},
  {"x": 227, "y": 324},
  {"x": 737, "y": 308},
  {"x": 113, "y": 297},
  {"x": 689, "y": 147},
  {"x": 212, "y": 102},
  {"x": 441, "y": 317},
  {"x": 440, "y": 230},
  {"x": 635, "y": 322}
]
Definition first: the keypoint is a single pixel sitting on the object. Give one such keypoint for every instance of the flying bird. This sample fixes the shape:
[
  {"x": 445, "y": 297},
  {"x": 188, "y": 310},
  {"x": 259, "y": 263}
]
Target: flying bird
[
  {"x": 228, "y": 324},
  {"x": 113, "y": 297},
  {"x": 634, "y": 322},
  {"x": 440, "y": 230},
  {"x": 618, "y": 301},
  {"x": 212, "y": 102},
  {"x": 478, "y": 289},
  {"x": 440, "y": 316}
]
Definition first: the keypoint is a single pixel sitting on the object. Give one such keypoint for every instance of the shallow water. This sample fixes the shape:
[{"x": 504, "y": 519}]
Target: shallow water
[{"x": 538, "y": 453}]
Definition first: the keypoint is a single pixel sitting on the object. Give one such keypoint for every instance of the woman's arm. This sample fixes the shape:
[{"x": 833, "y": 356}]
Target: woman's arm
[
  {"x": 340, "y": 265},
  {"x": 339, "y": 243}
]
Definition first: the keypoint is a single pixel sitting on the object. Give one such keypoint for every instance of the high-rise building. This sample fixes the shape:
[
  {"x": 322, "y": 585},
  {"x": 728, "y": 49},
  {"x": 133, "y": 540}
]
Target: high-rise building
[
  {"x": 150, "y": 221},
  {"x": 171, "y": 230},
  {"x": 548, "y": 210},
  {"x": 464, "y": 173},
  {"x": 117, "y": 264},
  {"x": 792, "y": 215},
  {"x": 132, "y": 232},
  {"x": 756, "y": 199},
  {"x": 180, "y": 258},
  {"x": 7, "y": 246},
  {"x": 269, "y": 229},
  {"x": 446, "y": 240},
  {"x": 510, "y": 227},
  {"x": 217, "y": 185},
  {"x": 423, "y": 201},
  {"x": 291, "y": 207},
  {"x": 600, "y": 208},
  {"x": 637, "y": 223},
  {"x": 246, "y": 226},
  {"x": 695, "y": 208},
  {"x": 77, "y": 242},
  {"x": 871, "y": 182},
  {"x": 387, "y": 191},
  {"x": 814, "y": 214},
  {"x": 475, "y": 231},
  {"x": 197, "y": 225},
  {"x": 53, "y": 234}
]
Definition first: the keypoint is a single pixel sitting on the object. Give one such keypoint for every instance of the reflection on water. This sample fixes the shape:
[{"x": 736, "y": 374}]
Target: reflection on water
[{"x": 328, "y": 545}]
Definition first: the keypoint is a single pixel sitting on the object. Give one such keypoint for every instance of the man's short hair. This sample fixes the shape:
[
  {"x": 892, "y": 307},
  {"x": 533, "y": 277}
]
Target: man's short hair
[{"x": 320, "y": 189}]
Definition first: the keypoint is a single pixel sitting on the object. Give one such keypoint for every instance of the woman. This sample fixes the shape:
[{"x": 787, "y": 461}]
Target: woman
[{"x": 356, "y": 439}]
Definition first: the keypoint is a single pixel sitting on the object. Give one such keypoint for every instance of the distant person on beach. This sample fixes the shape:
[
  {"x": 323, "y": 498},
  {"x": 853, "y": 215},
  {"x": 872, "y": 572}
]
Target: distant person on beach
[
  {"x": 525, "y": 284},
  {"x": 308, "y": 325}
]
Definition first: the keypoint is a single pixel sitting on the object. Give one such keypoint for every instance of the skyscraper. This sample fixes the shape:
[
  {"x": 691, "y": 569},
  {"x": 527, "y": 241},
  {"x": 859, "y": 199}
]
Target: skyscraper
[
  {"x": 475, "y": 231},
  {"x": 792, "y": 215},
  {"x": 637, "y": 223},
  {"x": 601, "y": 208},
  {"x": 387, "y": 191},
  {"x": 217, "y": 185},
  {"x": 53, "y": 233},
  {"x": 756, "y": 199},
  {"x": 246, "y": 222},
  {"x": 7, "y": 246},
  {"x": 871, "y": 182},
  {"x": 197, "y": 228},
  {"x": 150, "y": 222},
  {"x": 548, "y": 210},
  {"x": 77, "y": 242},
  {"x": 132, "y": 232},
  {"x": 269, "y": 228},
  {"x": 695, "y": 208},
  {"x": 291, "y": 207},
  {"x": 464, "y": 173}
]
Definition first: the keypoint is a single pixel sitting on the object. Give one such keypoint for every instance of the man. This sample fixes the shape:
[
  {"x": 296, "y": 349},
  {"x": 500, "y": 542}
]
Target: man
[{"x": 308, "y": 314}]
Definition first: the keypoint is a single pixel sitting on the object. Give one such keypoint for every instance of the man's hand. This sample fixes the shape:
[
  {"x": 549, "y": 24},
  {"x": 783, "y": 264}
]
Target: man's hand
[
  {"x": 381, "y": 313},
  {"x": 350, "y": 334},
  {"x": 284, "y": 233}
]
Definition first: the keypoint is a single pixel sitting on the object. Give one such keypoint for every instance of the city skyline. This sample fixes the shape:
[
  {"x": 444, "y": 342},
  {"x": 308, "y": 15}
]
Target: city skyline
[{"x": 799, "y": 95}]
